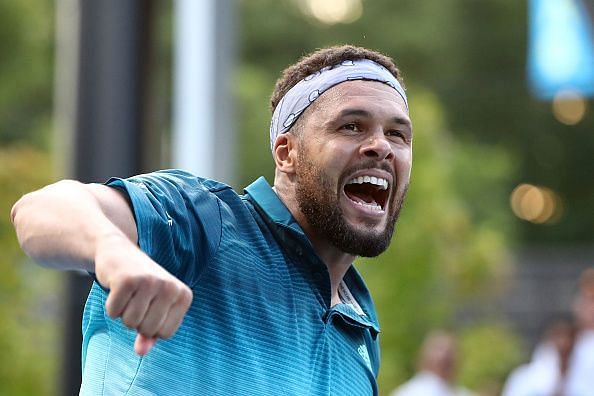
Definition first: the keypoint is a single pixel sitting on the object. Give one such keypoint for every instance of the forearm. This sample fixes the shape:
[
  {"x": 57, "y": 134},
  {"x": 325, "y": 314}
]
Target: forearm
[
  {"x": 70, "y": 225},
  {"x": 61, "y": 225}
]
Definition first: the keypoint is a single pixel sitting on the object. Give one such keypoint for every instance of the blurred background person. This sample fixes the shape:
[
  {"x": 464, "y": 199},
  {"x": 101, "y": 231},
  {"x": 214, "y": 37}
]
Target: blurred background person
[
  {"x": 548, "y": 372},
  {"x": 581, "y": 377},
  {"x": 437, "y": 369}
]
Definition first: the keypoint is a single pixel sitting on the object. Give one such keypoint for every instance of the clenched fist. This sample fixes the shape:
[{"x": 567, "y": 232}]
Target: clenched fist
[{"x": 147, "y": 297}]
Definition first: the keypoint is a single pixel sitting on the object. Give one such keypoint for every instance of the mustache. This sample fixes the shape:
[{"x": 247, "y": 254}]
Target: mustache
[{"x": 370, "y": 164}]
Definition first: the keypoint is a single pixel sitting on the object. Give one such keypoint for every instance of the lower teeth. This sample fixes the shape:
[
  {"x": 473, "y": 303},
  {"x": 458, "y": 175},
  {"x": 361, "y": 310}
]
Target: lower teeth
[{"x": 369, "y": 206}]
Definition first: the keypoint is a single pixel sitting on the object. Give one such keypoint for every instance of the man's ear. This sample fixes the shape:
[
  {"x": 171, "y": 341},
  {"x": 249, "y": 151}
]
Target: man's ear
[{"x": 285, "y": 152}]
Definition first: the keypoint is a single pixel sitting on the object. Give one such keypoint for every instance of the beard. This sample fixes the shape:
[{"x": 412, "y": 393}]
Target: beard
[{"x": 319, "y": 202}]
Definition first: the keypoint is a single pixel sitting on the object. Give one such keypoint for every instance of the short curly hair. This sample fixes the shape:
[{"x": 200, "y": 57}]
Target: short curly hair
[{"x": 324, "y": 57}]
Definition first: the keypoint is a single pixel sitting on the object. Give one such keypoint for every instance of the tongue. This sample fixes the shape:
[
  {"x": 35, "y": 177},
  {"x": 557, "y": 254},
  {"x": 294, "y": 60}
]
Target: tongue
[{"x": 361, "y": 198}]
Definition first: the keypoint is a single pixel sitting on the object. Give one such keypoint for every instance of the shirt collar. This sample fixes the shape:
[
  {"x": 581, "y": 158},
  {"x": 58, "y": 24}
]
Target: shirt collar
[
  {"x": 264, "y": 197},
  {"x": 357, "y": 287}
]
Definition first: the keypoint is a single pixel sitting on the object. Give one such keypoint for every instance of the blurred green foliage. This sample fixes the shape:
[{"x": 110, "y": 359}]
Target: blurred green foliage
[
  {"x": 26, "y": 70},
  {"x": 29, "y": 296},
  {"x": 487, "y": 353}
]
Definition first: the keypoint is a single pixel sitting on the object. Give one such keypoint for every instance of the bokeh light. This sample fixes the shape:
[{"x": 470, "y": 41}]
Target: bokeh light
[
  {"x": 331, "y": 12},
  {"x": 536, "y": 204},
  {"x": 569, "y": 107}
]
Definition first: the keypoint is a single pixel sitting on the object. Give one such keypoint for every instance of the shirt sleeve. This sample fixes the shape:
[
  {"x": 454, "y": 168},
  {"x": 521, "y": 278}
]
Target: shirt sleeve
[{"x": 177, "y": 218}]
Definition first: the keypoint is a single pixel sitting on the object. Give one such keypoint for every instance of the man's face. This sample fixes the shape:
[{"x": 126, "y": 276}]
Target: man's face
[{"x": 353, "y": 165}]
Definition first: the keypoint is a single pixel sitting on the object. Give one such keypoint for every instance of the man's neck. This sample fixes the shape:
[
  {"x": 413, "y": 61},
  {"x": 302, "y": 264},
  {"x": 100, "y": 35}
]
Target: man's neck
[{"x": 337, "y": 261}]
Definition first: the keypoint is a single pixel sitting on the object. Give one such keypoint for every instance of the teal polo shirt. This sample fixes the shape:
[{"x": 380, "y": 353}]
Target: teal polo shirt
[{"x": 260, "y": 322}]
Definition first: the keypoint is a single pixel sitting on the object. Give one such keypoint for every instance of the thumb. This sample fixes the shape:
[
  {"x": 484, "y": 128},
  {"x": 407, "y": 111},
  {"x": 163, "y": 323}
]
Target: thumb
[{"x": 144, "y": 344}]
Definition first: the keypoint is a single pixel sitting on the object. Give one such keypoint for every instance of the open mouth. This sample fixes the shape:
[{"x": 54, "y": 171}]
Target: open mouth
[{"x": 368, "y": 191}]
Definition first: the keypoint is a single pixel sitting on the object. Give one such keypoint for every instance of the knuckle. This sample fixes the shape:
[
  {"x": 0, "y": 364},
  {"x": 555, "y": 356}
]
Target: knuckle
[
  {"x": 186, "y": 297},
  {"x": 166, "y": 333},
  {"x": 143, "y": 280},
  {"x": 110, "y": 309},
  {"x": 158, "y": 283},
  {"x": 130, "y": 321},
  {"x": 169, "y": 289},
  {"x": 146, "y": 330},
  {"x": 148, "y": 281},
  {"x": 127, "y": 282},
  {"x": 172, "y": 326},
  {"x": 113, "y": 307},
  {"x": 185, "y": 294}
]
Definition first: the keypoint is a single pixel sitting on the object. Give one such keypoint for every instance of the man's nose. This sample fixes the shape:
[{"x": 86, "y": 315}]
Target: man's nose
[{"x": 377, "y": 146}]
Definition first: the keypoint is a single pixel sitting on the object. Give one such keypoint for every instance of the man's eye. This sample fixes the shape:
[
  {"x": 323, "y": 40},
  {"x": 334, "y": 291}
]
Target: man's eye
[
  {"x": 351, "y": 127},
  {"x": 395, "y": 133}
]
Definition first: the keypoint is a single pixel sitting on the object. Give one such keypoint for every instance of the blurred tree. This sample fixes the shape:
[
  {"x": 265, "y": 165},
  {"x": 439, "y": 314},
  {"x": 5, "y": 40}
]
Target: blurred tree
[
  {"x": 487, "y": 353},
  {"x": 26, "y": 40},
  {"x": 28, "y": 300},
  {"x": 29, "y": 296}
]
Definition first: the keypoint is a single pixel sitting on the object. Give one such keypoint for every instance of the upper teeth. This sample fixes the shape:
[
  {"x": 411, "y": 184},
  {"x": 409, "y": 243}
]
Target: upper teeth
[{"x": 378, "y": 181}]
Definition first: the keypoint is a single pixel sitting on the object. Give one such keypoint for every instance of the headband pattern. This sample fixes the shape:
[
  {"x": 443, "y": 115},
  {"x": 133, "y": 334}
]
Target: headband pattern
[{"x": 306, "y": 91}]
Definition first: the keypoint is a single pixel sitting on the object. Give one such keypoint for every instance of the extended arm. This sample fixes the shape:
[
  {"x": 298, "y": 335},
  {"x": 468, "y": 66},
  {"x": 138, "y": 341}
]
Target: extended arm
[
  {"x": 61, "y": 225},
  {"x": 70, "y": 225}
]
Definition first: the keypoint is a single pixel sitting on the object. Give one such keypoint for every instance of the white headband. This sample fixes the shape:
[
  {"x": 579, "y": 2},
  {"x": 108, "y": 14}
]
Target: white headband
[{"x": 302, "y": 94}]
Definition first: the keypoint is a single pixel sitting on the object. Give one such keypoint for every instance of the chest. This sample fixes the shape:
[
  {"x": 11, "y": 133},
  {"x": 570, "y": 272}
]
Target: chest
[{"x": 265, "y": 319}]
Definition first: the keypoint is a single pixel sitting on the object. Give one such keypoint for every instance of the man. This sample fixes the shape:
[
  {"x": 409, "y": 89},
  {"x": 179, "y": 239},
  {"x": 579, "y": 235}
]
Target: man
[
  {"x": 550, "y": 367},
  {"x": 252, "y": 294},
  {"x": 580, "y": 379},
  {"x": 438, "y": 365}
]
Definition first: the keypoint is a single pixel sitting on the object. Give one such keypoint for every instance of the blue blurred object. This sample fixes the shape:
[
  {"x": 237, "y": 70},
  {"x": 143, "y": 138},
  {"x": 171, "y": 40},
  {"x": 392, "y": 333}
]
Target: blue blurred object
[{"x": 560, "y": 48}]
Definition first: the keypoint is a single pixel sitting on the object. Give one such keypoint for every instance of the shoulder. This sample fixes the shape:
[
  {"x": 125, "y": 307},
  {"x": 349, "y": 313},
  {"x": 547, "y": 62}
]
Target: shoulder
[
  {"x": 177, "y": 178},
  {"x": 173, "y": 188}
]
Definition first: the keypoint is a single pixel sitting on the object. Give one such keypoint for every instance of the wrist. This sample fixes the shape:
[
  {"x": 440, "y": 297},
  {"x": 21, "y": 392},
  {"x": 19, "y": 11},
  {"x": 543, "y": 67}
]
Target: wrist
[{"x": 107, "y": 242}]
